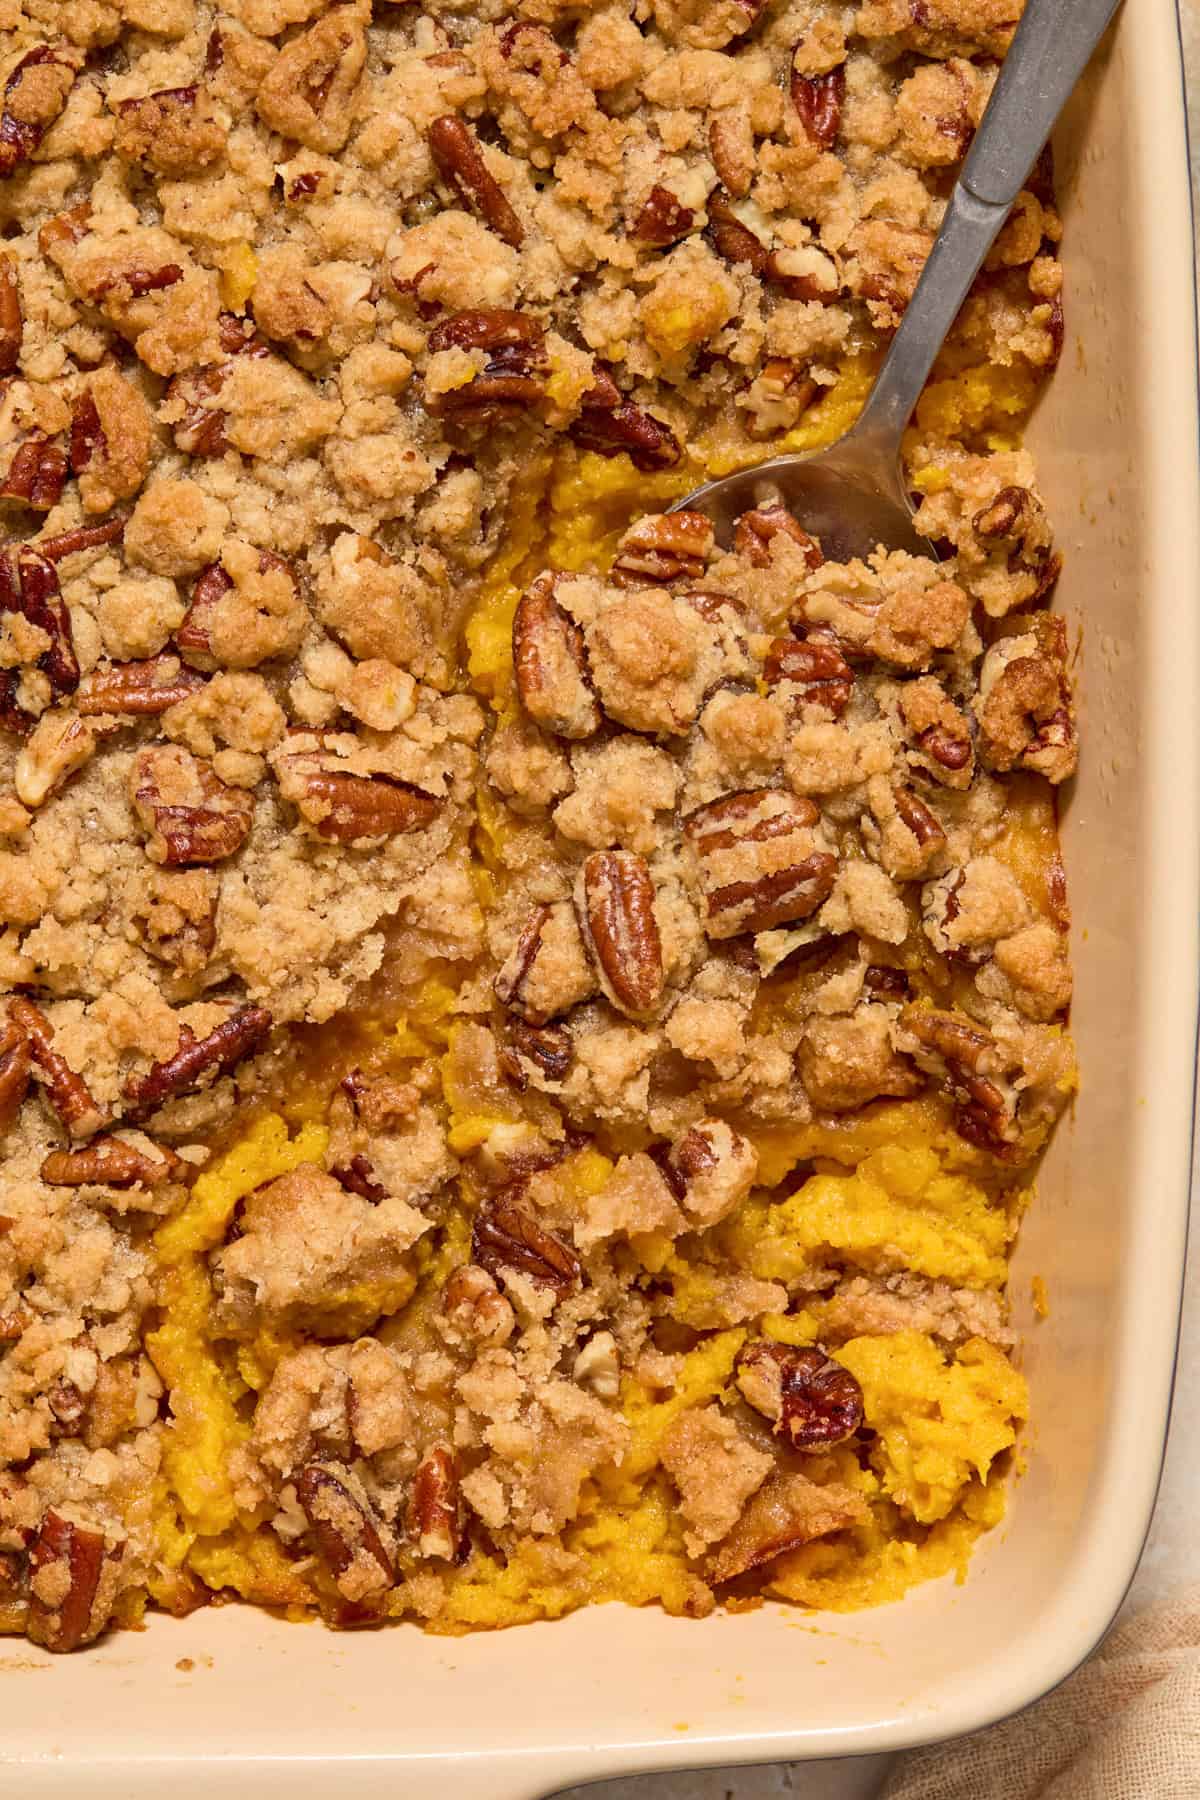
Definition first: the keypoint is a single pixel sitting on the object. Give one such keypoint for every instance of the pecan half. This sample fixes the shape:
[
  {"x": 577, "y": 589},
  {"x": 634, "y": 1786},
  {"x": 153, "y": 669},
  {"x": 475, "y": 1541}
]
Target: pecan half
[
  {"x": 731, "y": 147},
  {"x": 460, "y": 162},
  {"x": 760, "y": 862},
  {"x": 817, "y": 669},
  {"x": 12, "y": 327},
  {"x": 82, "y": 537},
  {"x": 65, "y": 1560},
  {"x": 514, "y": 970},
  {"x": 504, "y": 1236},
  {"x": 550, "y": 665},
  {"x": 34, "y": 95},
  {"x": 195, "y": 1060},
  {"x": 664, "y": 547},
  {"x": 818, "y": 102},
  {"x": 136, "y": 690},
  {"x": 29, "y": 586},
  {"x": 346, "y": 808},
  {"x": 614, "y": 426},
  {"x": 512, "y": 377},
  {"x": 754, "y": 532},
  {"x": 110, "y": 1162},
  {"x": 662, "y": 219},
  {"x": 66, "y": 1091},
  {"x": 15, "y": 1070},
  {"x": 344, "y": 1529},
  {"x": 809, "y": 1398},
  {"x": 37, "y": 474},
  {"x": 435, "y": 1509},
  {"x": 189, "y": 814},
  {"x": 924, "y": 824},
  {"x": 614, "y": 902}
]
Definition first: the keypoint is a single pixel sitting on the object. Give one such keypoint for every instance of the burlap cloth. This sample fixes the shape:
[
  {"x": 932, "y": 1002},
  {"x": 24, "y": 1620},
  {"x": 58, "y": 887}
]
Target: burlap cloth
[{"x": 1126, "y": 1726}]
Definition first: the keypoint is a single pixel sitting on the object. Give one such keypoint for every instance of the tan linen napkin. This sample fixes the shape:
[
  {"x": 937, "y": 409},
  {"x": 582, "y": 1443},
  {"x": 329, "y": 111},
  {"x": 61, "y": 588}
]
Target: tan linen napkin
[{"x": 1126, "y": 1726}]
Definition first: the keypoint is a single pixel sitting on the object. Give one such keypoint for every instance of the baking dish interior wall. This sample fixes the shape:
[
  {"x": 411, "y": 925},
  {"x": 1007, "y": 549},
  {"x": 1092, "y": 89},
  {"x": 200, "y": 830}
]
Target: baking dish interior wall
[{"x": 519, "y": 1713}]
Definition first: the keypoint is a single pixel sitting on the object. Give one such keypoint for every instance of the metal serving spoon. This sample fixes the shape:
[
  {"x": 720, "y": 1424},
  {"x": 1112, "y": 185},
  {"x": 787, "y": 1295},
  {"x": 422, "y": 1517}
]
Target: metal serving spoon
[{"x": 852, "y": 495}]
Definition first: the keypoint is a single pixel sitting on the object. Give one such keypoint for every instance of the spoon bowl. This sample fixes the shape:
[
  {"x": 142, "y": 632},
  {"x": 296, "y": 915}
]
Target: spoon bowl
[{"x": 837, "y": 496}]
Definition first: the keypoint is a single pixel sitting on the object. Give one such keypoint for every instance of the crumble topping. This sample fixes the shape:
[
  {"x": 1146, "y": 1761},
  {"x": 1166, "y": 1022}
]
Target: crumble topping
[{"x": 507, "y": 1001}]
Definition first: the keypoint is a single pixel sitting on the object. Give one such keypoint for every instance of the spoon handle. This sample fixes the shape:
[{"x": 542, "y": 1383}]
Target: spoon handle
[{"x": 1049, "y": 52}]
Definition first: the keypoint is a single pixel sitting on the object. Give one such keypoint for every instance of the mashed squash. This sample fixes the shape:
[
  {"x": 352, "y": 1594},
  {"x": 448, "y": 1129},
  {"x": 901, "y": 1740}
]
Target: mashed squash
[{"x": 888, "y": 1189}]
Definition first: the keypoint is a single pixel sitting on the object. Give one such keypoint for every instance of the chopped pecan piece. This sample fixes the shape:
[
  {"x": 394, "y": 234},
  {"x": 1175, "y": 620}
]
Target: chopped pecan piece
[
  {"x": 550, "y": 665},
  {"x": 111, "y": 1162},
  {"x": 174, "y": 131},
  {"x": 809, "y": 1398},
  {"x": 59, "y": 745},
  {"x": 37, "y": 474},
  {"x": 86, "y": 434},
  {"x": 883, "y": 982},
  {"x": 474, "y": 1304},
  {"x": 346, "y": 1533},
  {"x": 664, "y": 547},
  {"x": 196, "y": 1058},
  {"x": 65, "y": 229},
  {"x": 548, "y": 1047},
  {"x": 817, "y": 669},
  {"x": 310, "y": 89},
  {"x": 201, "y": 430},
  {"x": 435, "y": 1509},
  {"x": 460, "y": 161},
  {"x": 352, "y": 809},
  {"x": 512, "y": 377},
  {"x": 189, "y": 814},
  {"x": 34, "y": 95},
  {"x": 506, "y": 1237},
  {"x": 546, "y": 971},
  {"x": 382, "y": 1102},
  {"x": 709, "y": 1169},
  {"x": 787, "y": 1512},
  {"x": 136, "y": 689},
  {"x": 15, "y": 1068},
  {"x": 780, "y": 392},
  {"x": 662, "y": 219},
  {"x": 1006, "y": 514},
  {"x": 734, "y": 242},
  {"x": 358, "y": 1177},
  {"x": 136, "y": 282},
  {"x": 760, "y": 861},
  {"x": 818, "y": 102},
  {"x": 66, "y": 1562},
  {"x": 614, "y": 902},
  {"x": 66, "y": 1091},
  {"x": 614, "y": 426},
  {"x": 754, "y": 532},
  {"x": 1026, "y": 719},
  {"x": 29, "y": 586},
  {"x": 971, "y": 1067},
  {"x": 12, "y": 328},
  {"x": 192, "y": 637}
]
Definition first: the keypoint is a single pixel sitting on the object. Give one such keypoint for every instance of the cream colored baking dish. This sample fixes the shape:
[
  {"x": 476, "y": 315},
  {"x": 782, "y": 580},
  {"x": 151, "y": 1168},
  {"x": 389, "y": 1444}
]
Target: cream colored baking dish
[{"x": 272, "y": 1709}]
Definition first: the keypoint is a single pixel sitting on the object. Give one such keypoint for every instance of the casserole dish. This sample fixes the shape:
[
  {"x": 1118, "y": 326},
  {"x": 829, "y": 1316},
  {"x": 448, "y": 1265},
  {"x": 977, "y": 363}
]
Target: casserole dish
[{"x": 235, "y": 1695}]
